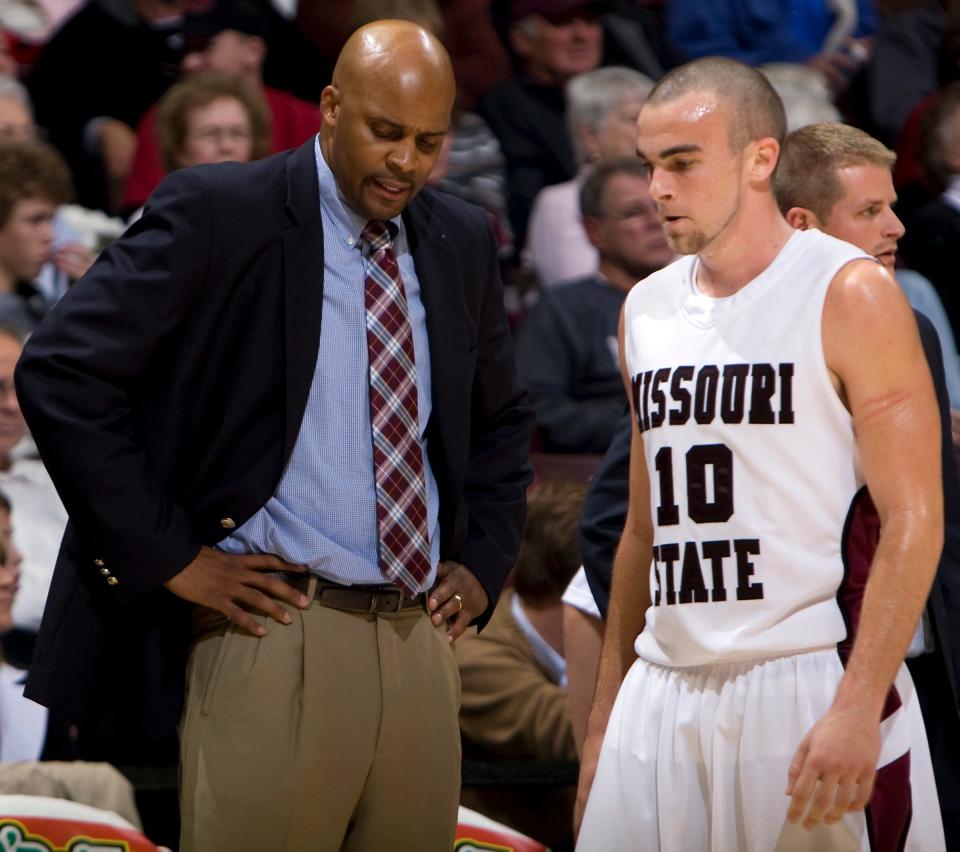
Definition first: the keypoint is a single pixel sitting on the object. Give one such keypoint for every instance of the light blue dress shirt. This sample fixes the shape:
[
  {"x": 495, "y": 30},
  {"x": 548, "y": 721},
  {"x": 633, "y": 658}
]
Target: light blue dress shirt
[{"x": 324, "y": 511}]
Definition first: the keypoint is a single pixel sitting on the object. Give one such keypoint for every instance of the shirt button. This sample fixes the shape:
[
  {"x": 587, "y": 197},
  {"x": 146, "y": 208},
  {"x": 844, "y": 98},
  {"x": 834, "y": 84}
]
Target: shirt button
[
  {"x": 105, "y": 572},
  {"x": 351, "y": 242},
  {"x": 228, "y": 523},
  {"x": 113, "y": 581},
  {"x": 99, "y": 563}
]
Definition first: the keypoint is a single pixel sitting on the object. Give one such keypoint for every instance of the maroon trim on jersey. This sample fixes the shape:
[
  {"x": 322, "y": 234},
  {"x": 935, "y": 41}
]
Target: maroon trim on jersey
[{"x": 890, "y": 808}]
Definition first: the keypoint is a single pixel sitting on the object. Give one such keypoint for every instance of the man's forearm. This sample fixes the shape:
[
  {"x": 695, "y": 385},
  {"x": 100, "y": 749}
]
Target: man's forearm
[{"x": 629, "y": 600}]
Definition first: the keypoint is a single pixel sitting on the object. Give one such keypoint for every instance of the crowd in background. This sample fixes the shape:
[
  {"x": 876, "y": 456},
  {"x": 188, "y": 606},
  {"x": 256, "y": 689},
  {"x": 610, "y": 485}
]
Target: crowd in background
[{"x": 100, "y": 99}]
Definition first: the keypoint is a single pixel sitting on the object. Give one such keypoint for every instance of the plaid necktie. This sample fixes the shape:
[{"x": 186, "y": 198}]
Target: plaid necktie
[{"x": 397, "y": 454}]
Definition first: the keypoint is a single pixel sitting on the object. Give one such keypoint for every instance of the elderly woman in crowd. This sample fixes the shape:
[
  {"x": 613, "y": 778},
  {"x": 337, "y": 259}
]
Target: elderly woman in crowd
[
  {"x": 602, "y": 110},
  {"x": 210, "y": 118}
]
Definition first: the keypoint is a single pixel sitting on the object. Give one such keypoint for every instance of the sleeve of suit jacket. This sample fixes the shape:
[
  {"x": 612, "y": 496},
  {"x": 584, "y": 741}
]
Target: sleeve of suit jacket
[
  {"x": 81, "y": 368},
  {"x": 945, "y": 592},
  {"x": 605, "y": 513}
]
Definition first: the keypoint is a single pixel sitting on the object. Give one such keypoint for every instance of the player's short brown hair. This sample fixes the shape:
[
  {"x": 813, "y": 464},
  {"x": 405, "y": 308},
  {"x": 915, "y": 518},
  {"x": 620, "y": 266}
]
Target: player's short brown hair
[
  {"x": 31, "y": 170},
  {"x": 810, "y": 158},
  {"x": 550, "y": 551},
  {"x": 757, "y": 111}
]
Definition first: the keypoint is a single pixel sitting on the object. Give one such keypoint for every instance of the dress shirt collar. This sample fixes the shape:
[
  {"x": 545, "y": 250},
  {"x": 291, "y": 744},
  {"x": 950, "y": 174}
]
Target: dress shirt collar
[{"x": 347, "y": 221}]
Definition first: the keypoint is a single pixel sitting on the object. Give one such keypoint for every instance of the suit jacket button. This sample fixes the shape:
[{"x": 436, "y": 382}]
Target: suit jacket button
[
  {"x": 105, "y": 572},
  {"x": 228, "y": 523},
  {"x": 99, "y": 563},
  {"x": 113, "y": 581}
]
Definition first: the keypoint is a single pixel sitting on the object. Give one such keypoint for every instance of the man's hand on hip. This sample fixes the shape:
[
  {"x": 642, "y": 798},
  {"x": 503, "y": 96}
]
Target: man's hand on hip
[
  {"x": 457, "y": 598},
  {"x": 834, "y": 768},
  {"x": 227, "y": 582}
]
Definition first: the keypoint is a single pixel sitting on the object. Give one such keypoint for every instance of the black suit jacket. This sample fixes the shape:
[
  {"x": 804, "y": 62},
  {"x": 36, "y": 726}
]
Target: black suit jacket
[
  {"x": 605, "y": 512},
  {"x": 165, "y": 393}
]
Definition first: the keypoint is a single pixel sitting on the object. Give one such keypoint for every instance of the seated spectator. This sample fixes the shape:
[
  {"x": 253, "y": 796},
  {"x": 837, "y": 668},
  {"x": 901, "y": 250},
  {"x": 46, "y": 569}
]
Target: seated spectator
[
  {"x": 226, "y": 38},
  {"x": 567, "y": 346},
  {"x": 34, "y": 181},
  {"x": 602, "y": 110},
  {"x": 931, "y": 244},
  {"x": 70, "y": 256},
  {"x": 38, "y": 515},
  {"x": 94, "y": 79},
  {"x": 830, "y": 37},
  {"x": 850, "y": 196},
  {"x": 211, "y": 118},
  {"x": 804, "y": 92},
  {"x": 553, "y": 40},
  {"x": 513, "y": 674}
]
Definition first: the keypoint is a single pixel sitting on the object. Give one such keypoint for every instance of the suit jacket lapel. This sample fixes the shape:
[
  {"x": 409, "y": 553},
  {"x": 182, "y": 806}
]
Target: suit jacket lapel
[
  {"x": 303, "y": 286},
  {"x": 441, "y": 288}
]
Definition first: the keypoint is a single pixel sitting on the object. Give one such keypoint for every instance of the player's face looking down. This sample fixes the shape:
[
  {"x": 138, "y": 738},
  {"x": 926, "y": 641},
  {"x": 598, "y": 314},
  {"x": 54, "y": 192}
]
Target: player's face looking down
[{"x": 696, "y": 175}]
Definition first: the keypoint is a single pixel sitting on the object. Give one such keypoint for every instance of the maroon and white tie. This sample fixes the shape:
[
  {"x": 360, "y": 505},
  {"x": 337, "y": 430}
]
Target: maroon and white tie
[{"x": 397, "y": 453}]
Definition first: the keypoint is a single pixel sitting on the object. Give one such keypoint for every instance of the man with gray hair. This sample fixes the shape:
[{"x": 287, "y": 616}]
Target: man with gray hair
[
  {"x": 567, "y": 346},
  {"x": 553, "y": 40},
  {"x": 602, "y": 110}
]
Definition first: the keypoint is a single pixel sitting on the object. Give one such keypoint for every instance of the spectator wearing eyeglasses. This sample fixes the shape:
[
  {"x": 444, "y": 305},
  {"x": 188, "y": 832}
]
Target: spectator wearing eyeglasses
[
  {"x": 227, "y": 37},
  {"x": 210, "y": 118}
]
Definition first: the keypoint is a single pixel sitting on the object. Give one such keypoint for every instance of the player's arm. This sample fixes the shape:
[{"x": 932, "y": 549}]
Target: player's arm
[
  {"x": 629, "y": 600},
  {"x": 873, "y": 350}
]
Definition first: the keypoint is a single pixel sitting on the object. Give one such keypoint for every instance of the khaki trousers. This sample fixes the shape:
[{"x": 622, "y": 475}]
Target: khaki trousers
[{"x": 338, "y": 731}]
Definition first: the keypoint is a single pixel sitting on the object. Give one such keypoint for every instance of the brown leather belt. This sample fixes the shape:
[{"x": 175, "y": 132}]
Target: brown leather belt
[{"x": 371, "y": 599}]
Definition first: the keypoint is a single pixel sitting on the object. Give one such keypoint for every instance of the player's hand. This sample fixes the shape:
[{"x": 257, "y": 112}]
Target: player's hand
[
  {"x": 227, "y": 582},
  {"x": 833, "y": 769},
  {"x": 457, "y": 598}
]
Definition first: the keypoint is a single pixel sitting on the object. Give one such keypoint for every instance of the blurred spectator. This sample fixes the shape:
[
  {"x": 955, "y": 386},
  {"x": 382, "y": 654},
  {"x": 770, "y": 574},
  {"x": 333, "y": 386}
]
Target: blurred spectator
[
  {"x": 95, "y": 78},
  {"x": 513, "y": 674},
  {"x": 602, "y": 110},
  {"x": 226, "y": 38},
  {"x": 904, "y": 67},
  {"x": 804, "y": 92},
  {"x": 38, "y": 516},
  {"x": 635, "y": 35},
  {"x": 8, "y": 64},
  {"x": 828, "y": 36},
  {"x": 567, "y": 347},
  {"x": 931, "y": 244},
  {"x": 211, "y": 118},
  {"x": 70, "y": 256},
  {"x": 34, "y": 181},
  {"x": 554, "y": 40},
  {"x": 480, "y": 59}
]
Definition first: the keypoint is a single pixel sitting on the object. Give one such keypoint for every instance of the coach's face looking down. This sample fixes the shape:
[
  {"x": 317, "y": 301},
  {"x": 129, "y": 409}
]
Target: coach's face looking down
[{"x": 385, "y": 115}]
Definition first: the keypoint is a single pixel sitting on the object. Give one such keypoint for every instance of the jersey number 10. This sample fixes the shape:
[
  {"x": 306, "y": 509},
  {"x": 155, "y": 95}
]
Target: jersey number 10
[{"x": 708, "y": 501}]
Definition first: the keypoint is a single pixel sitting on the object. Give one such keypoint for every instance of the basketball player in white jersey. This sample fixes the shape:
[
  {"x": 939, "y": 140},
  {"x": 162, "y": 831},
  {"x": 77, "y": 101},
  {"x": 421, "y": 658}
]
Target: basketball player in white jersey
[{"x": 751, "y": 693}]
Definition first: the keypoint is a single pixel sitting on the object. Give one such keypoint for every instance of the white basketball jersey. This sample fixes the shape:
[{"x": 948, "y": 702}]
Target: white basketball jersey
[{"x": 751, "y": 457}]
